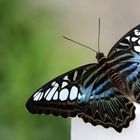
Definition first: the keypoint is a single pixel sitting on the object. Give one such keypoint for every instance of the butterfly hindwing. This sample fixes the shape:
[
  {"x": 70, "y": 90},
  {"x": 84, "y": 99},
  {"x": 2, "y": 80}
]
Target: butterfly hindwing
[
  {"x": 111, "y": 110},
  {"x": 104, "y": 104},
  {"x": 125, "y": 57}
]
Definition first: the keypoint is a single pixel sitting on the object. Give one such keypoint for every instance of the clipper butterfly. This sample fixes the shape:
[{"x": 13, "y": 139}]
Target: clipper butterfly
[{"x": 100, "y": 93}]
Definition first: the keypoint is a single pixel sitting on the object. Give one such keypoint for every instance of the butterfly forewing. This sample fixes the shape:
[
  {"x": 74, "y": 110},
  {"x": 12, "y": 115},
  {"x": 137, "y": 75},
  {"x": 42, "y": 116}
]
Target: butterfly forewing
[
  {"x": 60, "y": 96},
  {"x": 127, "y": 42}
]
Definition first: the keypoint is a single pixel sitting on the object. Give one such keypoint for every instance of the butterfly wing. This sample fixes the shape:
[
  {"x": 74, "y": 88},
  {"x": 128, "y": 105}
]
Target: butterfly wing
[
  {"x": 59, "y": 96},
  {"x": 103, "y": 103},
  {"x": 86, "y": 92},
  {"x": 110, "y": 108},
  {"x": 125, "y": 57},
  {"x": 128, "y": 41}
]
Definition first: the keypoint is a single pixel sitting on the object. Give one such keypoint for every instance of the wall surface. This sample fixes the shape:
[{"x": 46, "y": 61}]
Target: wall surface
[{"x": 85, "y": 131}]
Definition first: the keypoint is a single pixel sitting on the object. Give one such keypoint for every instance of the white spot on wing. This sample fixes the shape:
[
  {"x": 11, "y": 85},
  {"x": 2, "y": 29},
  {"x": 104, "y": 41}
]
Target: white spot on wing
[
  {"x": 51, "y": 93},
  {"x": 139, "y": 42},
  {"x": 46, "y": 93},
  {"x": 55, "y": 97},
  {"x": 128, "y": 38},
  {"x": 75, "y": 75},
  {"x": 134, "y": 39},
  {"x": 79, "y": 96},
  {"x": 53, "y": 83},
  {"x": 137, "y": 48},
  {"x": 64, "y": 84},
  {"x": 137, "y": 32},
  {"x": 63, "y": 94},
  {"x": 41, "y": 96},
  {"x": 123, "y": 44},
  {"x": 56, "y": 85},
  {"x": 38, "y": 96},
  {"x": 66, "y": 78},
  {"x": 73, "y": 93}
]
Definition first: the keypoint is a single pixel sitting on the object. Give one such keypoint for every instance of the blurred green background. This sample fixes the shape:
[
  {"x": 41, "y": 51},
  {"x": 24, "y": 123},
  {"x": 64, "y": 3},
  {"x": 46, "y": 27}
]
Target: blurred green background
[{"x": 28, "y": 59}]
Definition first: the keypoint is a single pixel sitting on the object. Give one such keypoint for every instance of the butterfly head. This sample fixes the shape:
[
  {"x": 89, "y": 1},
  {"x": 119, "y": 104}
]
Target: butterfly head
[{"x": 100, "y": 57}]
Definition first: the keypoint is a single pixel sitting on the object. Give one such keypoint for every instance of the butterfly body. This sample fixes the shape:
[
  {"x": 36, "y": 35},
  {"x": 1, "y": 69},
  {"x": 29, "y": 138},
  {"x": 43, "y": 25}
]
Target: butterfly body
[{"x": 101, "y": 93}]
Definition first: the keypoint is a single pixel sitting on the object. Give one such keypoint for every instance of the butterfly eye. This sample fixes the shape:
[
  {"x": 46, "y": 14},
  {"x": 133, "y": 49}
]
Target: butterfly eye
[{"x": 137, "y": 49}]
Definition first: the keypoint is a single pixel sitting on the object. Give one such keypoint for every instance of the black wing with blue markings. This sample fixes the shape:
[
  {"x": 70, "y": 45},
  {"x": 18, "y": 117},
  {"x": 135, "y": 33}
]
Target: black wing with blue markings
[
  {"x": 61, "y": 96},
  {"x": 86, "y": 92},
  {"x": 98, "y": 93},
  {"x": 125, "y": 57}
]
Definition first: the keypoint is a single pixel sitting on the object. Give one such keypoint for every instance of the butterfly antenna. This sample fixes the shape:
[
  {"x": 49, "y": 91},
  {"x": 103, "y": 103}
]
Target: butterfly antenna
[
  {"x": 99, "y": 36},
  {"x": 80, "y": 44}
]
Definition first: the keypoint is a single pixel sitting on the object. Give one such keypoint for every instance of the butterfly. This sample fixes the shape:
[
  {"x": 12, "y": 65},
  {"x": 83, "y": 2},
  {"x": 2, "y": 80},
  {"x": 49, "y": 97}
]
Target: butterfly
[{"x": 100, "y": 93}]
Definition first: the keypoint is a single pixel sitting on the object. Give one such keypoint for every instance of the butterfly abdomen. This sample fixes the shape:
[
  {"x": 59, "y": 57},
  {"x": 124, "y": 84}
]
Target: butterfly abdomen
[
  {"x": 117, "y": 80},
  {"x": 115, "y": 77},
  {"x": 120, "y": 83}
]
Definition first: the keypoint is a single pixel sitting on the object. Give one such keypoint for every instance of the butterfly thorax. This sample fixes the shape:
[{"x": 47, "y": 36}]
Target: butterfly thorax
[{"x": 101, "y": 58}]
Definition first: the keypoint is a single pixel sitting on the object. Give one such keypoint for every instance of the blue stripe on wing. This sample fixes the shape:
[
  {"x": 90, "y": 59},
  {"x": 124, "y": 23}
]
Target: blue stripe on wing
[
  {"x": 133, "y": 75},
  {"x": 130, "y": 71},
  {"x": 106, "y": 105},
  {"x": 126, "y": 59},
  {"x": 91, "y": 93}
]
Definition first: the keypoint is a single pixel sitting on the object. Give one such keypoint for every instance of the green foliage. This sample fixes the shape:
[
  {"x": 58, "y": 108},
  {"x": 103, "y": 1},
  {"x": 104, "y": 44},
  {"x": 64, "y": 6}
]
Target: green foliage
[{"x": 26, "y": 44}]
